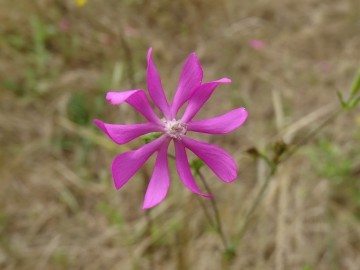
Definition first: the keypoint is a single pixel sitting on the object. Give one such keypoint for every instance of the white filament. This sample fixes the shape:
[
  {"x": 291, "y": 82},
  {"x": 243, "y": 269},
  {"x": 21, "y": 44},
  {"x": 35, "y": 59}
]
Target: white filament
[{"x": 175, "y": 129}]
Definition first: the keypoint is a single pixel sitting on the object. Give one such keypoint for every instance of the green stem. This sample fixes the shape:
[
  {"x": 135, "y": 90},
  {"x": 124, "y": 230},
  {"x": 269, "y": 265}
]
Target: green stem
[
  {"x": 217, "y": 224},
  {"x": 215, "y": 209},
  {"x": 206, "y": 212},
  {"x": 253, "y": 207}
]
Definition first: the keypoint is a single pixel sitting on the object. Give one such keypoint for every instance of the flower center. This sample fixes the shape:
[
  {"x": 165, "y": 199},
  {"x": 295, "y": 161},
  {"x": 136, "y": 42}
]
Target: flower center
[{"x": 175, "y": 129}]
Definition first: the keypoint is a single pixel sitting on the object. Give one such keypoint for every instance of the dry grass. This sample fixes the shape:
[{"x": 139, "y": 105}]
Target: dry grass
[{"x": 59, "y": 209}]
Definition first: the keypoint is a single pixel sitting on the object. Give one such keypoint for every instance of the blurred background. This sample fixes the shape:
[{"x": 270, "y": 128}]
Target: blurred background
[{"x": 58, "y": 206}]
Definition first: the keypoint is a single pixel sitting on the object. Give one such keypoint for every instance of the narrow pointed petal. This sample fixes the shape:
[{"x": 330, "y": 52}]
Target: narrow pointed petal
[
  {"x": 160, "y": 179},
  {"x": 190, "y": 79},
  {"x": 125, "y": 133},
  {"x": 220, "y": 162},
  {"x": 221, "y": 124},
  {"x": 155, "y": 88},
  {"x": 137, "y": 99},
  {"x": 200, "y": 96},
  {"x": 183, "y": 169},
  {"x": 124, "y": 166}
]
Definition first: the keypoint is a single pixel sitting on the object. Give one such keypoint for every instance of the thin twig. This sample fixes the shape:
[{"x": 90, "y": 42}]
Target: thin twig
[
  {"x": 311, "y": 135},
  {"x": 273, "y": 169}
]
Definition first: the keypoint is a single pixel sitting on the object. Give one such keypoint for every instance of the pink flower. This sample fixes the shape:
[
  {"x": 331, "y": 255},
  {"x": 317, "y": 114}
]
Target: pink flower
[
  {"x": 325, "y": 67},
  {"x": 173, "y": 128},
  {"x": 256, "y": 44},
  {"x": 64, "y": 25},
  {"x": 131, "y": 31}
]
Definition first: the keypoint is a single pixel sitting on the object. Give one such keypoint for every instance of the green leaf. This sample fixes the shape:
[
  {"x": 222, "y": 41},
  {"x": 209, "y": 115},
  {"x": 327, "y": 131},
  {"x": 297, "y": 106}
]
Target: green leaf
[
  {"x": 39, "y": 35},
  {"x": 356, "y": 84},
  {"x": 151, "y": 136},
  {"x": 16, "y": 42},
  {"x": 113, "y": 215},
  {"x": 342, "y": 101},
  {"x": 353, "y": 102},
  {"x": 196, "y": 164},
  {"x": 230, "y": 253},
  {"x": 78, "y": 110}
]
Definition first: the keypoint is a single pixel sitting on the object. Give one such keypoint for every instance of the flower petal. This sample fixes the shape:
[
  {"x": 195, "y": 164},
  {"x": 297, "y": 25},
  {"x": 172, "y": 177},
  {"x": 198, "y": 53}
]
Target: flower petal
[
  {"x": 124, "y": 133},
  {"x": 200, "y": 96},
  {"x": 160, "y": 179},
  {"x": 124, "y": 166},
  {"x": 190, "y": 79},
  {"x": 220, "y": 162},
  {"x": 155, "y": 88},
  {"x": 221, "y": 124},
  {"x": 137, "y": 99},
  {"x": 183, "y": 168}
]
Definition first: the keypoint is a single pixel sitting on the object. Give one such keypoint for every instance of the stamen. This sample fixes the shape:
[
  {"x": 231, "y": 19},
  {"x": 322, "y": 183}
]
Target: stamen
[{"x": 175, "y": 129}]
